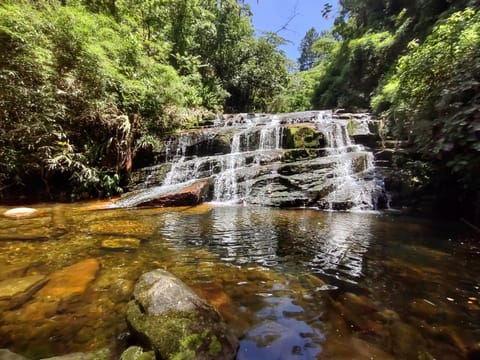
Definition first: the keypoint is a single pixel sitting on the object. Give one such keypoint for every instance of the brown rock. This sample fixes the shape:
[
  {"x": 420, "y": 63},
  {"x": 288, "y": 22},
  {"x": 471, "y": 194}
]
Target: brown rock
[
  {"x": 13, "y": 270},
  {"x": 16, "y": 291},
  {"x": 121, "y": 244},
  {"x": 70, "y": 281},
  {"x": 191, "y": 195},
  {"x": 133, "y": 228}
]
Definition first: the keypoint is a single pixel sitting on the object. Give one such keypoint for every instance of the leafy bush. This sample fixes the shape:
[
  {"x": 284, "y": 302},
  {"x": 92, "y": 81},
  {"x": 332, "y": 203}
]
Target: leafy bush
[{"x": 433, "y": 97}]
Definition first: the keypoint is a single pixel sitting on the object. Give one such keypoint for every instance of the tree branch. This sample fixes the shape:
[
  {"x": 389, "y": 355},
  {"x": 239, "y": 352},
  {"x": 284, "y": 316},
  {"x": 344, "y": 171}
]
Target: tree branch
[{"x": 284, "y": 27}]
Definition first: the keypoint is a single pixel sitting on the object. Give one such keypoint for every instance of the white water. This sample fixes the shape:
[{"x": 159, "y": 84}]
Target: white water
[{"x": 255, "y": 149}]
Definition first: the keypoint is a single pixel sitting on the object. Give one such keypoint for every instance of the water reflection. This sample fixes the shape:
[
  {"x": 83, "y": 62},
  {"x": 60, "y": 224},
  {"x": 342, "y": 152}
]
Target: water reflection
[
  {"x": 327, "y": 243},
  {"x": 342, "y": 241},
  {"x": 268, "y": 271}
]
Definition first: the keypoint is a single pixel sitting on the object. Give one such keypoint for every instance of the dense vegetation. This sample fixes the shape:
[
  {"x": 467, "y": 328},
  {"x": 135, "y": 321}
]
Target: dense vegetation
[
  {"x": 417, "y": 65},
  {"x": 88, "y": 87}
]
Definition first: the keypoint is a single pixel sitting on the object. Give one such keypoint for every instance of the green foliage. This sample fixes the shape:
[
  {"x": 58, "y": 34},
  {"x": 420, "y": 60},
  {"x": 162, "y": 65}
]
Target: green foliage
[
  {"x": 262, "y": 76},
  {"x": 433, "y": 97},
  {"x": 308, "y": 56},
  {"x": 85, "y": 85}
]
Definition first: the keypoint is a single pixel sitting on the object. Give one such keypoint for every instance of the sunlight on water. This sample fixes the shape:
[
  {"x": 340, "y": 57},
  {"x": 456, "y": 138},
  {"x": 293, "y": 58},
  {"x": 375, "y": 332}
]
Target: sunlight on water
[{"x": 292, "y": 284}]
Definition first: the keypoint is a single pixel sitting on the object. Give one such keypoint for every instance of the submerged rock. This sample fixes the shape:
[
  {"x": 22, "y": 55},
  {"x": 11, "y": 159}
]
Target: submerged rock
[
  {"x": 134, "y": 227},
  {"x": 103, "y": 354},
  {"x": 121, "y": 244},
  {"x": 13, "y": 270},
  {"x": 16, "y": 291},
  {"x": 167, "y": 316},
  {"x": 70, "y": 281}
]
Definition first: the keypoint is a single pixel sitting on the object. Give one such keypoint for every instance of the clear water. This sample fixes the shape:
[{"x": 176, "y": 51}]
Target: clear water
[{"x": 292, "y": 284}]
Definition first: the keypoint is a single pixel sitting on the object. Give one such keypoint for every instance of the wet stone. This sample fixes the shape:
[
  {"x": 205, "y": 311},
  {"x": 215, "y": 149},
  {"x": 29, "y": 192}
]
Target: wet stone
[
  {"x": 137, "y": 353},
  {"x": 121, "y": 244},
  {"x": 169, "y": 317},
  {"x": 70, "y": 281},
  {"x": 20, "y": 212},
  {"x": 16, "y": 291},
  {"x": 121, "y": 227}
]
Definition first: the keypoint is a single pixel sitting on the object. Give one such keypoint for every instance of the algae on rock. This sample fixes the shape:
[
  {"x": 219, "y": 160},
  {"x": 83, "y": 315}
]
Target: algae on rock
[{"x": 168, "y": 317}]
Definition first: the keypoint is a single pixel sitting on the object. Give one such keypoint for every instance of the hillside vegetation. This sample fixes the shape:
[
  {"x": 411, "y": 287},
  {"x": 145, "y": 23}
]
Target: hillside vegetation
[
  {"x": 90, "y": 88},
  {"x": 416, "y": 64},
  {"x": 87, "y": 88}
]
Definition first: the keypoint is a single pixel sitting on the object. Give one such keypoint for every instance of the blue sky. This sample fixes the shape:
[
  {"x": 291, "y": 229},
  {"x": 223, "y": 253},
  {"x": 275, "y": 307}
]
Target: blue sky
[{"x": 271, "y": 15}]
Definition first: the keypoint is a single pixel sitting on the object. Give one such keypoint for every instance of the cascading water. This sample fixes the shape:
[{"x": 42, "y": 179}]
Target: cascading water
[
  {"x": 225, "y": 186},
  {"x": 297, "y": 159}
]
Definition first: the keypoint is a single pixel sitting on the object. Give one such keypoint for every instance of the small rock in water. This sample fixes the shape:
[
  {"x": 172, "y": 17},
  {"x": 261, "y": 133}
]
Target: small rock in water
[
  {"x": 19, "y": 212},
  {"x": 121, "y": 244},
  {"x": 70, "y": 281},
  {"x": 16, "y": 291}
]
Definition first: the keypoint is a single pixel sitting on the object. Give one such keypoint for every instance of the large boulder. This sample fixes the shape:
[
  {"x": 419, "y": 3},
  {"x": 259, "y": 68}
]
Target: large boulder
[
  {"x": 192, "y": 193},
  {"x": 167, "y": 316}
]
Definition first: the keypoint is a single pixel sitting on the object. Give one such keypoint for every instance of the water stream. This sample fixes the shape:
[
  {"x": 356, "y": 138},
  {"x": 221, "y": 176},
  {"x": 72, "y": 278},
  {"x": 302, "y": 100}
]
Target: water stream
[{"x": 292, "y": 284}]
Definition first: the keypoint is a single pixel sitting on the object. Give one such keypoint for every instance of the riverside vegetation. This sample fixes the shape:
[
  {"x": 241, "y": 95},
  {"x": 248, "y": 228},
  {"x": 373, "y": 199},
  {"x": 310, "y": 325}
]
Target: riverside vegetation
[{"x": 90, "y": 89}]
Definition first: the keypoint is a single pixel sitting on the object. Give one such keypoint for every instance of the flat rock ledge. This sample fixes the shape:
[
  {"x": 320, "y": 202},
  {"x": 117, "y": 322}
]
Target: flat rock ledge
[{"x": 166, "y": 316}]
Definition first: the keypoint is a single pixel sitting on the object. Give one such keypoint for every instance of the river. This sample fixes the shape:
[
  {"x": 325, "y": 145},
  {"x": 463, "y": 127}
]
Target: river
[{"x": 292, "y": 284}]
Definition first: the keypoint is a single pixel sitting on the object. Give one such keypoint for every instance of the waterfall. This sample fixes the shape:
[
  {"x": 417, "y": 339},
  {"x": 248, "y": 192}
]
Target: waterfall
[
  {"x": 350, "y": 187},
  {"x": 225, "y": 186},
  {"x": 271, "y": 135},
  {"x": 295, "y": 159}
]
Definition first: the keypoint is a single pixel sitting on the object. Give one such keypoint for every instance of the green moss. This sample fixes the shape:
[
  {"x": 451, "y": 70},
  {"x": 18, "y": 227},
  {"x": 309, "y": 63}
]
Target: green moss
[
  {"x": 215, "y": 346},
  {"x": 137, "y": 353},
  {"x": 298, "y": 137},
  {"x": 176, "y": 335},
  {"x": 351, "y": 127},
  {"x": 293, "y": 155}
]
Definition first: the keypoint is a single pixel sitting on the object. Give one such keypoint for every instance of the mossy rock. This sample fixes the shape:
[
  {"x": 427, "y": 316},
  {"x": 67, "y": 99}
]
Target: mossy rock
[
  {"x": 302, "y": 136},
  {"x": 293, "y": 155},
  {"x": 168, "y": 317},
  {"x": 137, "y": 353}
]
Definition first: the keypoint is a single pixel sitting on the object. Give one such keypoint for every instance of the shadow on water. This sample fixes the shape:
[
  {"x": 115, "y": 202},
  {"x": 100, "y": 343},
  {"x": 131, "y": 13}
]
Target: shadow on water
[{"x": 293, "y": 284}]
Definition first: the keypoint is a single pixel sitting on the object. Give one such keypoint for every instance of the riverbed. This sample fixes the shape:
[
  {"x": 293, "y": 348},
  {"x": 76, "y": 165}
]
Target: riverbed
[{"x": 292, "y": 284}]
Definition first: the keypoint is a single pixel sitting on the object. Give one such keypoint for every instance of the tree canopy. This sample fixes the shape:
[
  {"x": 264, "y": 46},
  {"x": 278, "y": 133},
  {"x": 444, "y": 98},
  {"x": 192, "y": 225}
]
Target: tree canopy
[{"x": 88, "y": 85}]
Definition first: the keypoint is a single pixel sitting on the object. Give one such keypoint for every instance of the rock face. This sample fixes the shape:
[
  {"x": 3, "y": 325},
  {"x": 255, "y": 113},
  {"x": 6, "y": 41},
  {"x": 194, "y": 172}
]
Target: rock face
[
  {"x": 166, "y": 316},
  {"x": 314, "y": 158}
]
